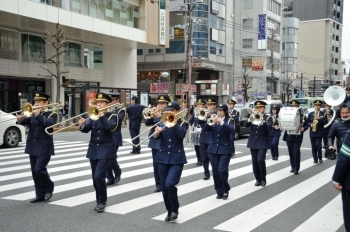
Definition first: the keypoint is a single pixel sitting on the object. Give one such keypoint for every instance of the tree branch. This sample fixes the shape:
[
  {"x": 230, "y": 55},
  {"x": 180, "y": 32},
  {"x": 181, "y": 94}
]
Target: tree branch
[{"x": 46, "y": 69}]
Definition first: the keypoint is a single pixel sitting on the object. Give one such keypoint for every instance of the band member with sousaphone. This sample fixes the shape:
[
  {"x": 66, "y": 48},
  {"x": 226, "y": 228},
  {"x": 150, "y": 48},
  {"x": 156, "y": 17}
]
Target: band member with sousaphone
[
  {"x": 258, "y": 140},
  {"x": 316, "y": 121},
  {"x": 294, "y": 141}
]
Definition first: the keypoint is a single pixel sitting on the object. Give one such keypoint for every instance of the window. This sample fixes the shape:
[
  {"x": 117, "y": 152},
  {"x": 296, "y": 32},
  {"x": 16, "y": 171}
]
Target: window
[
  {"x": 212, "y": 47},
  {"x": 175, "y": 47},
  {"x": 289, "y": 31},
  {"x": 150, "y": 51},
  {"x": 220, "y": 23},
  {"x": 8, "y": 44},
  {"x": 288, "y": 6},
  {"x": 73, "y": 55},
  {"x": 247, "y": 63},
  {"x": 213, "y": 21},
  {"x": 247, "y": 43},
  {"x": 289, "y": 45},
  {"x": 93, "y": 57},
  {"x": 140, "y": 52},
  {"x": 247, "y": 23},
  {"x": 33, "y": 48},
  {"x": 274, "y": 7},
  {"x": 157, "y": 50},
  {"x": 220, "y": 49},
  {"x": 271, "y": 24},
  {"x": 288, "y": 60},
  {"x": 247, "y": 4}
]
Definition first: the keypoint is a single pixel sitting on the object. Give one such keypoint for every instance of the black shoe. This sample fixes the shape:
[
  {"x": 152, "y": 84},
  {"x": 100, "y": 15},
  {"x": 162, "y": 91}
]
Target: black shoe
[
  {"x": 95, "y": 208},
  {"x": 134, "y": 152},
  {"x": 273, "y": 158},
  {"x": 101, "y": 207},
  {"x": 47, "y": 196},
  {"x": 173, "y": 216},
  {"x": 321, "y": 161},
  {"x": 276, "y": 158},
  {"x": 291, "y": 170},
  {"x": 257, "y": 183},
  {"x": 219, "y": 197},
  {"x": 117, "y": 179},
  {"x": 167, "y": 219},
  {"x": 315, "y": 162},
  {"x": 225, "y": 196},
  {"x": 233, "y": 155},
  {"x": 263, "y": 183},
  {"x": 109, "y": 183},
  {"x": 199, "y": 163},
  {"x": 296, "y": 173},
  {"x": 37, "y": 199},
  {"x": 206, "y": 178},
  {"x": 157, "y": 190}
]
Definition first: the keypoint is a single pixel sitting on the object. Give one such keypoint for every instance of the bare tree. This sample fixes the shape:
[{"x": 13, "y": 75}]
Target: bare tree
[
  {"x": 287, "y": 85},
  {"x": 60, "y": 46},
  {"x": 247, "y": 82}
]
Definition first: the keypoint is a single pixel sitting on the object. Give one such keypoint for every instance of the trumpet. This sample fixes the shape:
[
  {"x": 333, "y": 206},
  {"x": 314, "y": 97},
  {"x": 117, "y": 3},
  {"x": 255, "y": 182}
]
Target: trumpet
[
  {"x": 93, "y": 114},
  {"x": 212, "y": 119},
  {"x": 202, "y": 114},
  {"x": 28, "y": 110},
  {"x": 256, "y": 118},
  {"x": 149, "y": 113}
]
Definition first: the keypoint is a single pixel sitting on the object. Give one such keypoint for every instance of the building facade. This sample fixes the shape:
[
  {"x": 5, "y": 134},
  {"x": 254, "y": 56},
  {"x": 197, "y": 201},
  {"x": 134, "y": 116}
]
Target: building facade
[
  {"x": 103, "y": 37},
  {"x": 212, "y": 42}
]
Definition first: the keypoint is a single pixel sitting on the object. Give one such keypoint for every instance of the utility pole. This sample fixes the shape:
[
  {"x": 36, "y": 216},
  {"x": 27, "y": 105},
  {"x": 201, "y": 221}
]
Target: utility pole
[
  {"x": 189, "y": 55},
  {"x": 314, "y": 86},
  {"x": 272, "y": 49},
  {"x": 301, "y": 85}
]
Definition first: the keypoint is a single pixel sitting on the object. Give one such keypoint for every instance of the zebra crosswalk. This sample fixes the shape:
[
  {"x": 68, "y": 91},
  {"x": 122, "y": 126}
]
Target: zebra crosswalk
[{"x": 247, "y": 208}]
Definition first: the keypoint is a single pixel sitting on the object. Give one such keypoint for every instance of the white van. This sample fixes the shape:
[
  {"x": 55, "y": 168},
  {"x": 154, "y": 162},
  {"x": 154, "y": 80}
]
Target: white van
[{"x": 269, "y": 104}]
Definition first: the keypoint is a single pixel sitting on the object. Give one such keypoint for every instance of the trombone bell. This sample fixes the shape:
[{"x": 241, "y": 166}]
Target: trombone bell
[
  {"x": 93, "y": 113},
  {"x": 169, "y": 119}
]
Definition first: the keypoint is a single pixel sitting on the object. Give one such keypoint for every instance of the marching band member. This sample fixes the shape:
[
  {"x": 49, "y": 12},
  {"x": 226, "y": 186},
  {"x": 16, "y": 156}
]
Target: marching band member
[
  {"x": 220, "y": 149},
  {"x": 339, "y": 127},
  {"x": 235, "y": 115},
  {"x": 316, "y": 122},
  {"x": 118, "y": 141},
  {"x": 101, "y": 148},
  {"x": 196, "y": 125},
  {"x": 294, "y": 142},
  {"x": 135, "y": 119},
  {"x": 155, "y": 143},
  {"x": 275, "y": 134},
  {"x": 341, "y": 178},
  {"x": 258, "y": 142},
  {"x": 40, "y": 146},
  {"x": 347, "y": 97},
  {"x": 328, "y": 116},
  {"x": 171, "y": 159}
]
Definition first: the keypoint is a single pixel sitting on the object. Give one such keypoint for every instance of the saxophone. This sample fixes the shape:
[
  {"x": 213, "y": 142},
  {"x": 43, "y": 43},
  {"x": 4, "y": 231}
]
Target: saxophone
[{"x": 314, "y": 122}]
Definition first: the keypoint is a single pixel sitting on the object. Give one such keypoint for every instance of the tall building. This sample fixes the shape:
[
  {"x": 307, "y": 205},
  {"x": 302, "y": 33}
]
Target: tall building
[
  {"x": 103, "y": 37},
  {"x": 320, "y": 39},
  {"x": 257, "y": 48},
  {"x": 212, "y": 42}
]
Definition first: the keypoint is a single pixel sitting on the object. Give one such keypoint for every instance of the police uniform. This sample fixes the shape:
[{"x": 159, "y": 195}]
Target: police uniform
[
  {"x": 316, "y": 137},
  {"x": 219, "y": 151},
  {"x": 101, "y": 150},
  {"x": 258, "y": 142},
  {"x": 274, "y": 135},
  {"x": 194, "y": 123},
  {"x": 171, "y": 159},
  {"x": 347, "y": 97},
  {"x": 328, "y": 117},
  {"x": 40, "y": 148},
  {"x": 235, "y": 115},
  {"x": 135, "y": 118},
  {"x": 118, "y": 141},
  {"x": 341, "y": 175},
  {"x": 294, "y": 142},
  {"x": 204, "y": 140},
  {"x": 154, "y": 144}
]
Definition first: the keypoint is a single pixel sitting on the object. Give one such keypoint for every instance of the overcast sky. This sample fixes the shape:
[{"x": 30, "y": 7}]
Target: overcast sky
[{"x": 346, "y": 31}]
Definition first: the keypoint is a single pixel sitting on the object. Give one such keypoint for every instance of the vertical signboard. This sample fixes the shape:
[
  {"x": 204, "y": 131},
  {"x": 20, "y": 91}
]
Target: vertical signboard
[
  {"x": 262, "y": 32},
  {"x": 162, "y": 21},
  {"x": 90, "y": 99}
]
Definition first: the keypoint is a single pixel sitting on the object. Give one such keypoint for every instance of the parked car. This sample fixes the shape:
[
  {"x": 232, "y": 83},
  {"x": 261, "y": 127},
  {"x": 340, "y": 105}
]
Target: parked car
[
  {"x": 10, "y": 132},
  {"x": 243, "y": 117}
]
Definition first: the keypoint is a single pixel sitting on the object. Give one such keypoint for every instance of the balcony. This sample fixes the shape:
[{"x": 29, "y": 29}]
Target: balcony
[
  {"x": 292, "y": 53},
  {"x": 290, "y": 68},
  {"x": 335, "y": 31},
  {"x": 335, "y": 66},
  {"x": 290, "y": 39},
  {"x": 335, "y": 54}
]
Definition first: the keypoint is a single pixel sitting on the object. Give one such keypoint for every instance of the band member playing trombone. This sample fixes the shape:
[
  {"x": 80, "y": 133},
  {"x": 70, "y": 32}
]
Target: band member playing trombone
[
  {"x": 101, "y": 149},
  {"x": 294, "y": 141},
  {"x": 40, "y": 146},
  {"x": 258, "y": 141},
  {"x": 221, "y": 127},
  {"x": 118, "y": 141},
  {"x": 171, "y": 157},
  {"x": 197, "y": 125},
  {"x": 316, "y": 122},
  {"x": 154, "y": 144},
  {"x": 235, "y": 115},
  {"x": 275, "y": 134}
]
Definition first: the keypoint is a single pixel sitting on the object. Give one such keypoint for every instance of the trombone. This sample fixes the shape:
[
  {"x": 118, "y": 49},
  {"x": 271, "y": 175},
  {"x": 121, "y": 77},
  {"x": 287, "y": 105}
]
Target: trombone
[
  {"x": 169, "y": 120},
  {"x": 93, "y": 114},
  {"x": 148, "y": 113},
  {"x": 28, "y": 110}
]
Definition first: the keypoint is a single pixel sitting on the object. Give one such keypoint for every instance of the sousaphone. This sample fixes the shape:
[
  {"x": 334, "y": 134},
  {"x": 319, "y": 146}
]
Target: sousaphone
[{"x": 334, "y": 96}]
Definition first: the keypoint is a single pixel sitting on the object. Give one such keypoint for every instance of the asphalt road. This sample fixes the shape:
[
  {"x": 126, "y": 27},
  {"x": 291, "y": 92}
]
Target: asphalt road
[{"x": 306, "y": 202}]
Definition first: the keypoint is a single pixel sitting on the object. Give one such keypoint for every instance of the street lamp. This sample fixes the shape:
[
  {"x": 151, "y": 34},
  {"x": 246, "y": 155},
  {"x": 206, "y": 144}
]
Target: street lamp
[
  {"x": 164, "y": 75},
  {"x": 19, "y": 99}
]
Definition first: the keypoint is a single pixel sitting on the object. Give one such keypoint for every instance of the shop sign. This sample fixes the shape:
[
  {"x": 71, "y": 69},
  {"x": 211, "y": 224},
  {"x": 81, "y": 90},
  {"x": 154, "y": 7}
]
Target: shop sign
[
  {"x": 163, "y": 87},
  {"x": 206, "y": 81}
]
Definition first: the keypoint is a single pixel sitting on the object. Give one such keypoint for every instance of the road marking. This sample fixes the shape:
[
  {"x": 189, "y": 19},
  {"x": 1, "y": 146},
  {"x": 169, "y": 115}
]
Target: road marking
[{"x": 275, "y": 205}]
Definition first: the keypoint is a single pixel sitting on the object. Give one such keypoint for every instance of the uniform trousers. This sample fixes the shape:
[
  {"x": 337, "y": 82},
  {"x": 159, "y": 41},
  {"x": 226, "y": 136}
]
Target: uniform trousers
[
  {"x": 259, "y": 165},
  {"x": 42, "y": 181},
  {"x": 232, "y": 138},
  {"x": 134, "y": 129},
  {"x": 113, "y": 165},
  {"x": 325, "y": 138},
  {"x": 346, "y": 208},
  {"x": 198, "y": 153},
  {"x": 155, "y": 169},
  {"x": 170, "y": 175},
  {"x": 274, "y": 141},
  {"x": 205, "y": 159},
  {"x": 98, "y": 169},
  {"x": 316, "y": 145},
  {"x": 294, "y": 155},
  {"x": 219, "y": 164}
]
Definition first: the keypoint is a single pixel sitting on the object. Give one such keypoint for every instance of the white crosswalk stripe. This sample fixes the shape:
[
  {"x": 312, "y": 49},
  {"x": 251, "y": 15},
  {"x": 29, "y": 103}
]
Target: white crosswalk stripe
[{"x": 70, "y": 170}]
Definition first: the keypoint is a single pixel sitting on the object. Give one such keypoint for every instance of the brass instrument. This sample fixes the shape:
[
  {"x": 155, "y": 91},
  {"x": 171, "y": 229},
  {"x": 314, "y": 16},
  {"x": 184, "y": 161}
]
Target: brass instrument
[
  {"x": 202, "y": 114},
  {"x": 149, "y": 113},
  {"x": 28, "y": 110},
  {"x": 314, "y": 122},
  {"x": 93, "y": 114},
  {"x": 211, "y": 120},
  {"x": 333, "y": 96},
  {"x": 256, "y": 118},
  {"x": 169, "y": 120}
]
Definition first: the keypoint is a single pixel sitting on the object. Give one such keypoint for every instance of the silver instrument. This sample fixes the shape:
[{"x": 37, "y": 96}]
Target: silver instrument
[
  {"x": 333, "y": 96},
  {"x": 202, "y": 114},
  {"x": 212, "y": 119},
  {"x": 256, "y": 118}
]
